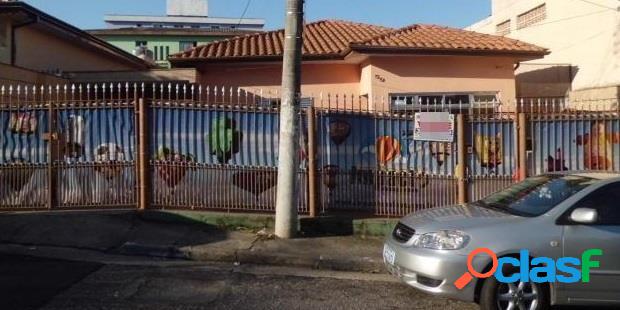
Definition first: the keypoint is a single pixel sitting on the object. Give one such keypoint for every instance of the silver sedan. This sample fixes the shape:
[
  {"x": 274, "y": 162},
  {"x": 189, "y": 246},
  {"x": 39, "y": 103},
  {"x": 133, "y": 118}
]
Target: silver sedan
[{"x": 489, "y": 251}]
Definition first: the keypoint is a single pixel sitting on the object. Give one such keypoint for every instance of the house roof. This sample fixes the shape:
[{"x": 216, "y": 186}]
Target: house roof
[
  {"x": 433, "y": 38},
  {"x": 336, "y": 39},
  {"x": 181, "y": 32},
  {"x": 27, "y": 14},
  {"x": 322, "y": 40}
]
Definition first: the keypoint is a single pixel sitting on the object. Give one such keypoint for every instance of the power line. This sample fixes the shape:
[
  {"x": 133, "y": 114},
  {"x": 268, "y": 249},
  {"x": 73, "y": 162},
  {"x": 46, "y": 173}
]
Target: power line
[
  {"x": 245, "y": 11},
  {"x": 599, "y": 5}
]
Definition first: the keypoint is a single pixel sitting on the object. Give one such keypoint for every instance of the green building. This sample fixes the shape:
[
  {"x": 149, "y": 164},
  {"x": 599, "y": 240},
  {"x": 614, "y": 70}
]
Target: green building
[{"x": 162, "y": 42}]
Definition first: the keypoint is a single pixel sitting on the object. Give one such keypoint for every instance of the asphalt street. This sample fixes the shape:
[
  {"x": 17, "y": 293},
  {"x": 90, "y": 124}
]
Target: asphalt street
[{"x": 31, "y": 283}]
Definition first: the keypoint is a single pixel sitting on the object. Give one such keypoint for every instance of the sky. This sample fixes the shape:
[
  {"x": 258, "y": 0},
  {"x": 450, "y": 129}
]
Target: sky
[{"x": 88, "y": 14}]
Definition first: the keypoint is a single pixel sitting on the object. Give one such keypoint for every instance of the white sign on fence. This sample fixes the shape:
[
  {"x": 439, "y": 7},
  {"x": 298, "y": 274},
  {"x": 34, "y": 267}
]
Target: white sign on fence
[{"x": 434, "y": 126}]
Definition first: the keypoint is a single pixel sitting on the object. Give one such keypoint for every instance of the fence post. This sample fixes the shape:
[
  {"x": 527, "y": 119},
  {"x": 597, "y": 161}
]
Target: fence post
[
  {"x": 312, "y": 180},
  {"x": 461, "y": 152},
  {"x": 522, "y": 149},
  {"x": 52, "y": 154},
  {"x": 143, "y": 157}
]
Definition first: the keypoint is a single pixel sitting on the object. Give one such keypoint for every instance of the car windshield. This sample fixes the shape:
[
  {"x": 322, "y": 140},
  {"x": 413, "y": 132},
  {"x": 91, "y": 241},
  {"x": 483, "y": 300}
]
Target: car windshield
[{"x": 536, "y": 195}]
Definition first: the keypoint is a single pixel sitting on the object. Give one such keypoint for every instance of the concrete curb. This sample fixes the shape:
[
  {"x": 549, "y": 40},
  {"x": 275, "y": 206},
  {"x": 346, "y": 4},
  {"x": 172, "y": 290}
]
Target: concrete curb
[{"x": 250, "y": 257}]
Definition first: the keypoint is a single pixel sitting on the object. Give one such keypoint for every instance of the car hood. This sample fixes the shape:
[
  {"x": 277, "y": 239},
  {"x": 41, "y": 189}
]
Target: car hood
[{"x": 460, "y": 217}]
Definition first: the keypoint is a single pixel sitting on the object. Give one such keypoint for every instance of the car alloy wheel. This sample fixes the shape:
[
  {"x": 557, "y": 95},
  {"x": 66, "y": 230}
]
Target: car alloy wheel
[{"x": 519, "y": 295}]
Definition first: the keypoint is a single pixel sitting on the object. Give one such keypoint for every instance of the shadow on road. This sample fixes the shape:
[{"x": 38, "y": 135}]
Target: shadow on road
[{"x": 29, "y": 283}]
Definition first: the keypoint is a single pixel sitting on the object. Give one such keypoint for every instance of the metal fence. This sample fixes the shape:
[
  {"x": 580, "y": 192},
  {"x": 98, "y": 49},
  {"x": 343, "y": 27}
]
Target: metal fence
[{"x": 184, "y": 146}]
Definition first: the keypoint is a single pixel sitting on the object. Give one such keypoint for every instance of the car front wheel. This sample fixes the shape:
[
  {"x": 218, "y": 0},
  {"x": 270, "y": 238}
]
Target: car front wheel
[{"x": 508, "y": 296}]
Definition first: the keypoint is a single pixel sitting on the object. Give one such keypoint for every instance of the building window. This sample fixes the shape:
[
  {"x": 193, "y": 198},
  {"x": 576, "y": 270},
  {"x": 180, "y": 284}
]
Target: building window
[
  {"x": 532, "y": 17},
  {"x": 185, "y": 46},
  {"x": 156, "y": 53},
  {"x": 503, "y": 29},
  {"x": 141, "y": 43},
  {"x": 167, "y": 51},
  {"x": 414, "y": 101}
]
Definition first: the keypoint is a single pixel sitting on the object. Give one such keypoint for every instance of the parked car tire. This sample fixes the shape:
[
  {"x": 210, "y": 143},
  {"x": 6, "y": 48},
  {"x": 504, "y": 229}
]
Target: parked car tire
[{"x": 521, "y": 295}]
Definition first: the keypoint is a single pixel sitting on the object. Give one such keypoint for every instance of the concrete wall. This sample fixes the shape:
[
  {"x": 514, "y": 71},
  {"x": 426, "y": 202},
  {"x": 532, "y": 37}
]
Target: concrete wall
[
  {"x": 41, "y": 51},
  {"x": 317, "y": 79},
  {"x": 418, "y": 74},
  {"x": 11, "y": 75},
  {"x": 375, "y": 78},
  {"x": 583, "y": 35},
  {"x": 5, "y": 41}
]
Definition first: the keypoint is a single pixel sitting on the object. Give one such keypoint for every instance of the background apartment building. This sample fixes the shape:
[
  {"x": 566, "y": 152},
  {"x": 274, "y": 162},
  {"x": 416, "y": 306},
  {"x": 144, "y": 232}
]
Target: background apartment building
[{"x": 583, "y": 37}]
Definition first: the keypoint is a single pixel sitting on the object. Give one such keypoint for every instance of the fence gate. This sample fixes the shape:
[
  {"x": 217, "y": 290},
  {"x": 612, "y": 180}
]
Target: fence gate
[{"x": 67, "y": 147}]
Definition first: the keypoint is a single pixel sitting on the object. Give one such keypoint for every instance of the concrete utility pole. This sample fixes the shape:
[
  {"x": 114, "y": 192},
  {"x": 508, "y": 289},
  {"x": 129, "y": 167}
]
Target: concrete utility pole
[{"x": 288, "y": 159}]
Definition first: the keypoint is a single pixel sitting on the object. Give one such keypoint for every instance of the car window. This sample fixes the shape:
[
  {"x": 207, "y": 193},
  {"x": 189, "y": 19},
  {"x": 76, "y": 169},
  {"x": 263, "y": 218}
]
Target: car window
[
  {"x": 606, "y": 201},
  {"x": 536, "y": 195}
]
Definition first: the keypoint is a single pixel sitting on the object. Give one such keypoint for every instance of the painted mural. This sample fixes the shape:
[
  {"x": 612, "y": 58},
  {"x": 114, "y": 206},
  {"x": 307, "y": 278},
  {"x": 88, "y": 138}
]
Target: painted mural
[
  {"x": 576, "y": 145},
  {"x": 98, "y": 136}
]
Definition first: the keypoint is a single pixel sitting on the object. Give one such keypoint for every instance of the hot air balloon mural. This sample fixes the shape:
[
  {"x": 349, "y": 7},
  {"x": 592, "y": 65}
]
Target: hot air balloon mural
[
  {"x": 107, "y": 156},
  {"x": 173, "y": 166},
  {"x": 224, "y": 139},
  {"x": 339, "y": 131},
  {"x": 598, "y": 147},
  {"x": 387, "y": 148},
  {"x": 255, "y": 182},
  {"x": 23, "y": 123},
  {"x": 489, "y": 150}
]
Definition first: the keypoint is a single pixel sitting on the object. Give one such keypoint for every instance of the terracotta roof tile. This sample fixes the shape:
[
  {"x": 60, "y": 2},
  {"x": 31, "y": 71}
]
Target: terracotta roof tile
[
  {"x": 335, "y": 39},
  {"x": 433, "y": 37},
  {"x": 321, "y": 39}
]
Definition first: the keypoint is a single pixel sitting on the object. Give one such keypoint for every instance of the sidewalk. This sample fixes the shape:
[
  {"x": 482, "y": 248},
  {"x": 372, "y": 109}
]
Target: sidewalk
[{"x": 238, "y": 240}]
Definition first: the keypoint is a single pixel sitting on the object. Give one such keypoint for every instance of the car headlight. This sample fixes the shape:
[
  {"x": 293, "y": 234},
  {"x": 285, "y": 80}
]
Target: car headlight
[{"x": 442, "y": 240}]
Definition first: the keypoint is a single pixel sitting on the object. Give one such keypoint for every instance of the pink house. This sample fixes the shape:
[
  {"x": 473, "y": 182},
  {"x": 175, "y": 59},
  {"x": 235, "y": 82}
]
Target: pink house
[{"x": 391, "y": 68}]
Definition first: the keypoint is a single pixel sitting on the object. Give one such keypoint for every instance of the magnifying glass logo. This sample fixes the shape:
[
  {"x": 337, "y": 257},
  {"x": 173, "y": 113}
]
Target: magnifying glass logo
[{"x": 467, "y": 277}]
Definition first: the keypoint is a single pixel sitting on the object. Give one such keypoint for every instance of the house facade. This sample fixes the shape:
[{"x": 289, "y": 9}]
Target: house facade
[
  {"x": 583, "y": 38},
  {"x": 38, "y": 48},
  {"x": 186, "y": 25},
  {"x": 393, "y": 68},
  {"x": 162, "y": 42}
]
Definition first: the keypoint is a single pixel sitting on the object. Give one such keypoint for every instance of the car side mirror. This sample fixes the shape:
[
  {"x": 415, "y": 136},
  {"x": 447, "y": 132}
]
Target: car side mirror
[{"x": 584, "y": 216}]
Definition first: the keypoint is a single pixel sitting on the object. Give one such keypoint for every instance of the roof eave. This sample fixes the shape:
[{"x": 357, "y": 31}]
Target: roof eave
[
  {"x": 522, "y": 55},
  {"x": 189, "y": 62}
]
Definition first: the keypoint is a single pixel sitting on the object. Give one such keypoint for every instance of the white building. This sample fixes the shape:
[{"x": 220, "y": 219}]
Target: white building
[
  {"x": 582, "y": 35},
  {"x": 184, "y": 14}
]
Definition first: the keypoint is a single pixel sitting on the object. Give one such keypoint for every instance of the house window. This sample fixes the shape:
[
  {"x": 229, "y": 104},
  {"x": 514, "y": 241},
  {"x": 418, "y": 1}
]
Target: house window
[
  {"x": 414, "y": 101},
  {"x": 167, "y": 52},
  {"x": 185, "y": 46},
  {"x": 503, "y": 29},
  {"x": 532, "y": 17},
  {"x": 141, "y": 43},
  {"x": 155, "y": 50}
]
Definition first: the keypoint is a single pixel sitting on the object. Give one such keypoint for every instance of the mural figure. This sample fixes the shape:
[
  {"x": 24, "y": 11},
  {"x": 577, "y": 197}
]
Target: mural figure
[
  {"x": 224, "y": 139},
  {"x": 108, "y": 155},
  {"x": 387, "y": 148},
  {"x": 339, "y": 131},
  {"x": 598, "y": 147},
  {"x": 330, "y": 176},
  {"x": 23, "y": 123},
  {"x": 173, "y": 166},
  {"x": 440, "y": 151},
  {"x": 255, "y": 182},
  {"x": 17, "y": 177},
  {"x": 558, "y": 163},
  {"x": 489, "y": 150},
  {"x": 72, "y": 143}
]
